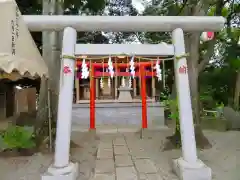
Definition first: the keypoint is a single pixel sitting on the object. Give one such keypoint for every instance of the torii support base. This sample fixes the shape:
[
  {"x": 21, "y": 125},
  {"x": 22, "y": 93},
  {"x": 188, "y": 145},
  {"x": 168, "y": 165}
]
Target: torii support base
[
  {"x": 70, "y": 172},
  {"x": 188, "y": 171}
]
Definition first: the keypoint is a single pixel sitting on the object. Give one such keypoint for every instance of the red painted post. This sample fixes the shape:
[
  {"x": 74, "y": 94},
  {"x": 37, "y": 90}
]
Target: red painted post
[
  {"x": 144, "y": 97},
  {"x": 92, "y": 97}
]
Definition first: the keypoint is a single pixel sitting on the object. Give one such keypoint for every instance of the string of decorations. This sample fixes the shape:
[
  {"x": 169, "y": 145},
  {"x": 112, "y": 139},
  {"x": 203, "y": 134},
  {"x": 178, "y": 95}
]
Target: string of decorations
[
  {"x": 132, "y": 67},
  {"x": 158, "y": 71},
  {"x": 101, "y": 80},
  {"x": 130, "y": 82},
  {"x": 131, "y": 72},
  {"x": 121, "y": 57},
  {"x": 110, "y": 69},
  {"x": 85, "y": 72}
]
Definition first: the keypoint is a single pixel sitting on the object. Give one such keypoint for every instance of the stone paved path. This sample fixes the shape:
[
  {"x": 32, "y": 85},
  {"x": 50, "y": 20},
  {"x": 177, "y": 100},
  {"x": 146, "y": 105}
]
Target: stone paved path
[
  {"x": 118, "y": 158},
  {"x": 107, "y": 156}
]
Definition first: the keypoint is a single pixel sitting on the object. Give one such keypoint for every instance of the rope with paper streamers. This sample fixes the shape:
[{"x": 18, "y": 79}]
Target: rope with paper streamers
[
  {"x": 101, "y": 80},
  {"x": 130, "y": 82},
  {"x": 110, "y": 67},
  {"x": 116, "y": 56},
  {"x": 132, "y": 68},
  {"x": 158, "y": 71},
  {"x": 109, "y": 79},
  {"x": 132, "y": 71},
  {"x": 109, "y": 82},
  {"x": 111, "y": 71},
  {"x": 85, "y": 72}
]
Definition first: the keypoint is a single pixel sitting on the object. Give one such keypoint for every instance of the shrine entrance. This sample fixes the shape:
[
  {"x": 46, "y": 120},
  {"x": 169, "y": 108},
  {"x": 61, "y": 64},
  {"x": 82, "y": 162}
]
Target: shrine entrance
[
  {"x": 122, "y": 70},
  {"x": 124, "y": 91},
  {"x": 188, "y": 166}
]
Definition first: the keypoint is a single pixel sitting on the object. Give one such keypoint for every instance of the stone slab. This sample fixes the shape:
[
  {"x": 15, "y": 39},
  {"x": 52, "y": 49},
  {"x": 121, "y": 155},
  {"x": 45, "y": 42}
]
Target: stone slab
[
  {"x": 139, "y": 155},
  {"x": 121, "y": 150},
  {"x": 104, "y": 177},
  {"x": 104, "y": 166},
  {"x": 104, "y": 153},
  {"x": 72, "y": 174},
  {"x": 126, "y": 173},
  {"x": 105, "y": 145},
  {"x": 145, "y": 166},
  {"x": 150, "y": 177},
  {"x": 119, "y": 142},
  {"x": 186, "y": 171},
  {"x": 123, "y": 161}
]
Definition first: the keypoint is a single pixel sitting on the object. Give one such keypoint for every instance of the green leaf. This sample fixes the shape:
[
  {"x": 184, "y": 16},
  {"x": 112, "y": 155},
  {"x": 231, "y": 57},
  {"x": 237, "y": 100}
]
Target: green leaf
[
  {"x": 3, "y": 145},
  {"x": 17, "y": 137}
]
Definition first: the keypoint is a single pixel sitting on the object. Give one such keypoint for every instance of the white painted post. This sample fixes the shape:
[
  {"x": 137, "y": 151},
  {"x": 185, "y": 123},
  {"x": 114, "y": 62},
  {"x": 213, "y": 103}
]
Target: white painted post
[
  {"x": 62, "y": 148},
  {"x": 184, "y": 100}
]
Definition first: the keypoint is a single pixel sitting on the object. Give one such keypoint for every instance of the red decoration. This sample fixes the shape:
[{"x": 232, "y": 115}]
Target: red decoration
[
  {"x": 210, "y": 35},
  {"x": 207, "y": 36},
  {"x": 66, "y": 70},
  {"x": 183, "y": 70}
]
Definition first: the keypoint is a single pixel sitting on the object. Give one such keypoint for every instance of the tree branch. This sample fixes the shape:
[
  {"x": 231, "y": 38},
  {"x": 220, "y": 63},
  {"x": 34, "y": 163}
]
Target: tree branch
[
  {"x": 138, "y": 37},
  {"x": 185, "y": 2},
  {"x": 207, "y": 56},
  {"x": 211, "y": 44}
]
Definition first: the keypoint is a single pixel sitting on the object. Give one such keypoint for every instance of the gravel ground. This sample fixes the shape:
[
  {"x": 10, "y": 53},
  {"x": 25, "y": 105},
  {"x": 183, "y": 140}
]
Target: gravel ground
[
  {"x": 223, "y": 158},
  {"x": 31, "y": 168}
]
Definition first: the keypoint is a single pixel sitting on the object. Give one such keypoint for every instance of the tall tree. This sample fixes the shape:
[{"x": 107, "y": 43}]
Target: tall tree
[
  {"x": 199, "y": 54},
  {"x": 120, "y": 8},
  {"x": 51, "y": 49}
]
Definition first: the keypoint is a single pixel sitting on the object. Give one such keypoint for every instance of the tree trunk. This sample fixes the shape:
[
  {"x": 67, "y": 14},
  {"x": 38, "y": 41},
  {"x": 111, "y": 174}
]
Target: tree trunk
[
  {"x": 51, "y": 56},
  {"x": 237, "y": 93},
  {"x": 192, "y": 46},
  {"x": 42, "y": 112},
  {"x": 194, "y": 91}
]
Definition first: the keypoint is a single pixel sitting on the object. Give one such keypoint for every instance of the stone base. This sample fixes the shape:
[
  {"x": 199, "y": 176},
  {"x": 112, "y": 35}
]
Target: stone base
[
  {"x": 68, "y": 173},
  {"x": 186, "y": 171},
  {"x": 124, "y": 94}
]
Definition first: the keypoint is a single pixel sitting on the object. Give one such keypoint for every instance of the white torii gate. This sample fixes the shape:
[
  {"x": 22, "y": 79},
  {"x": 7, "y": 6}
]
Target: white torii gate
[{"x": 188, "y": 167}]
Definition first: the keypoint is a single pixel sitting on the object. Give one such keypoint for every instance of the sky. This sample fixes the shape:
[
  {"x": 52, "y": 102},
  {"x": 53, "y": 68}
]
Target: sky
[{"x": 138, "y": 5}]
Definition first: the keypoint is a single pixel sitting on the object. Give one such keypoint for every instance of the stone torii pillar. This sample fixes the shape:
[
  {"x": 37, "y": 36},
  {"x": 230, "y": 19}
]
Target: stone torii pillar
[{"x": 188, "y": 167}]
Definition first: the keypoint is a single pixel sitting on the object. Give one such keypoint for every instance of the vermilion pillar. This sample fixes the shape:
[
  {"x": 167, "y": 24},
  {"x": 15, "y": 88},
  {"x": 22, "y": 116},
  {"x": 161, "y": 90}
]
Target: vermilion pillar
[
  {"x": 92, "y": 97},
  {"x": 144, "y": 96}
]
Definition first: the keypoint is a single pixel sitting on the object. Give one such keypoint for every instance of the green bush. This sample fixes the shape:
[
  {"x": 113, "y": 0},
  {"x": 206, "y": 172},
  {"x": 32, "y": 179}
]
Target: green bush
[
  {"x": 164, "y": 95},
  {"x": 173, "y": 104},
  {"x": 17, "y": 137}
]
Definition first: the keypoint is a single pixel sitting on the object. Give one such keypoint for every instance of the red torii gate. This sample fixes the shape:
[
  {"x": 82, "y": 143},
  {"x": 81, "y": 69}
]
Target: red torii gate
[{"x": 141, "y": 74}]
